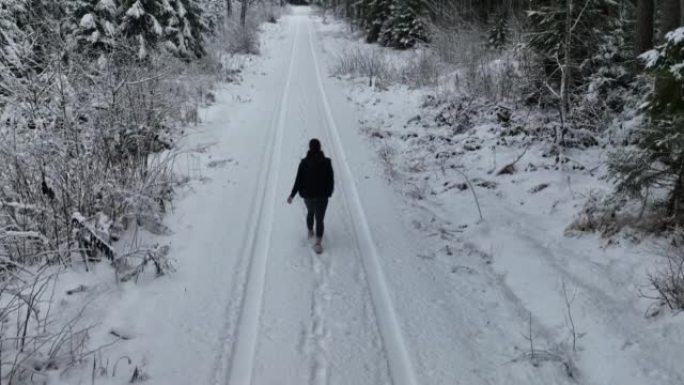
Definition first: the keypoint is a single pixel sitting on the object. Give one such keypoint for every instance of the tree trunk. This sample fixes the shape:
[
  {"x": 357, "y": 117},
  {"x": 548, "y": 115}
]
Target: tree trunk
[
  {"x": 671, "y": 12},
  {"x": 644, "y": 27},
  {"x": 567, "y": 61},
  {"x": 229, "y": 10},
  {"x": 667, "y": 91},
  {"x": 243, "y": 13}
]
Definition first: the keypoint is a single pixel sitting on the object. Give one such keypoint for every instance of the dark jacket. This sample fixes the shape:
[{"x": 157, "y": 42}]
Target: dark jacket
[{"x": 314, "y": 177}]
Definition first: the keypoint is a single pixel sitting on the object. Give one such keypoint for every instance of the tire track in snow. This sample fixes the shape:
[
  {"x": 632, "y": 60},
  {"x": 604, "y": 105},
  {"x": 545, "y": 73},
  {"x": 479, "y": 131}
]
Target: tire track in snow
[
  {"x": 257, "y": 246},
  {"x": 399, "y": 362}
]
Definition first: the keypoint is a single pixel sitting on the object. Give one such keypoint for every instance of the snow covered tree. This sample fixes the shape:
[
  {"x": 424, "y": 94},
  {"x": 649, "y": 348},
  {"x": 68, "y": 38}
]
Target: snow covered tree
[
  {"x": 214, "y": 14},
  {"x": 141, "y": 22},
  {"x": 375, "y": 15},
  {"x": 175, "y": 24},
  {"x": 498, "y": 32},
  {"x": 667, "y": 84},
  {"x": 404, "y": 25},
  {"x": 568, "y": 28},
  {"x": 659, "y": 160},
  {"x": 11, "y": 37},
  {"x": 184, "y": 28},
  {"x": 95, "y": 23},
  {"x": 565, "y": 34}
]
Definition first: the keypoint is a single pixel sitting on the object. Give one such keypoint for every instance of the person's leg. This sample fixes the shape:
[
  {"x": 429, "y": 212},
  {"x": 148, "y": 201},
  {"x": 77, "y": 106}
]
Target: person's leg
[
  {"x": 321, "y": 206},
  {"x": 310, "y": 210}
]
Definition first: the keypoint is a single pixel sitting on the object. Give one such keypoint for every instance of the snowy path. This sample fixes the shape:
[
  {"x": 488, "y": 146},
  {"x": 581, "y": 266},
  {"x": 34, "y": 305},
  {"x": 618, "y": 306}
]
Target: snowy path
[
  {"x": 252, "y": 304},
  {"x": 365, "y": 312},
  {"x": 299, "y": 323}
]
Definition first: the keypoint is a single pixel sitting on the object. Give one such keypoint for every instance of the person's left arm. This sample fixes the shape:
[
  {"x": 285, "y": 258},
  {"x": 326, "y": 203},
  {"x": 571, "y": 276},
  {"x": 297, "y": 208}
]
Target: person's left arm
[{"x": 297, "y": 184}]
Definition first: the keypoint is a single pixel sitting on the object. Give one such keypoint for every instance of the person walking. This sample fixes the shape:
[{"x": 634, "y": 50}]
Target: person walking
[{"x": 315, "y": 184}]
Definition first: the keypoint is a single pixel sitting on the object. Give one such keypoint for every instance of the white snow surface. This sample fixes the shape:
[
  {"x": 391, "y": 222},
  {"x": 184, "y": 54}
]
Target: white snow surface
[
  {"x": 88, "y": 21},
  {"x": 675, "y": 36},
  {"x": 406, "y": 292}
]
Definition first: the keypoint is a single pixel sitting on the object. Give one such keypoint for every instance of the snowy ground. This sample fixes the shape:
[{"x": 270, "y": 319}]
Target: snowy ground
[
  {"x": 408, "y": 291},
  {"x": 520, "y": 259}
]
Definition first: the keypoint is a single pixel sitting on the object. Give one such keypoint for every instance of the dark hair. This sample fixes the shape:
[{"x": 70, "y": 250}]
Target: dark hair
[{"x": 314, "y": 145}]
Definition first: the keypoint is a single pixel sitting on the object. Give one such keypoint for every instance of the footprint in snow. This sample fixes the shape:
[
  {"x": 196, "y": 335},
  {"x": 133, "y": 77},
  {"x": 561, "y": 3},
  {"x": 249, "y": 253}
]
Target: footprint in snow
[{"x": 219, "y": 163}]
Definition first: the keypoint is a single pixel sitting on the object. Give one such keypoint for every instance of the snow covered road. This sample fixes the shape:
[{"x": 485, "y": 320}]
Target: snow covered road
[
  {"x": 364, "y": 312},
  {"x": 291, "y": 339},
  {"x": 252, "y": 304}
]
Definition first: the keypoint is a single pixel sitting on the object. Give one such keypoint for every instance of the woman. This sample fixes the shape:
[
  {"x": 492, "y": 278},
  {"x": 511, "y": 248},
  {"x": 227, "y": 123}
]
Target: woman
[{"x": 314, "y": 183}]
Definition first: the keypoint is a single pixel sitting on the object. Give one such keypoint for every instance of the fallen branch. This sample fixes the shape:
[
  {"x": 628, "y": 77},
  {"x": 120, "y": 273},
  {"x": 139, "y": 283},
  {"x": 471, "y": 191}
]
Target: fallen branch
[{"x": 510, "y": 168}]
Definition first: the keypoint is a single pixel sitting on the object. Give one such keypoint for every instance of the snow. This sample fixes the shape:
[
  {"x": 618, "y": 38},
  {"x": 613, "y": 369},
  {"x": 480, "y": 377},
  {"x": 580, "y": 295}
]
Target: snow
[
  {"x": 142, "y": 47},
  {"x": 181, "y": 10},
  {"x": 412, "y": 288},
  {"x": 522, "y": 253},
  {"x": 677, "y": 70},
  {"x": 136, "y": 10},
  {"x": 106, "y": 5},
  {"x": 167, "y": 6},
  {"x": 109, "y": 28},
  {"x": 88, "y": 21},
  {"x": 156, "y": 27},
  {"x": 675, "y": 37},
  {"x": 650, "y": 57}
]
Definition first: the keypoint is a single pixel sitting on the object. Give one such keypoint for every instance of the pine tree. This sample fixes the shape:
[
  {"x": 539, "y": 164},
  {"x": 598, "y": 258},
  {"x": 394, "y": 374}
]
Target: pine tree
[
  {"x": 184, "y": 28},
  {"x": 12, "y": 14},
  {"x": 404, "y": 26},
  {"x": 552, "y": 27},
  {"x": 172, "y": 24},
  {"x": 565, "y": 34},
  {"x": 498, "y": 33},
  {"x": 658, "y": 162},
  {"x": 141, "y": 23},
  {"x": 375, "y": 18},
  {"x": 94, "y": 23}
]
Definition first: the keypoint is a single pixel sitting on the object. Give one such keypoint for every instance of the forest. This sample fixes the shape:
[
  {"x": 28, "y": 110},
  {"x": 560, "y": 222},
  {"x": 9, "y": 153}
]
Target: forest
[{"x": 96, "y": 97}]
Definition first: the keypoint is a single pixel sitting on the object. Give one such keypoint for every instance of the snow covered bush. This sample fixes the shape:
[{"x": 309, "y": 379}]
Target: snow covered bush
[
  {"x": 31, "y": 348},
  {"x": 422, "y": 70},
  {"x": 87, "y": 145},
  {"x": 668, "y": 281},
  {"x": 244, "y": 39},
  {"x": 365, "y": 62}
]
